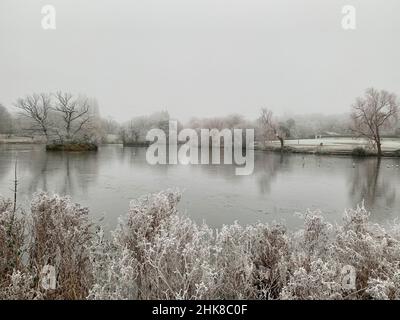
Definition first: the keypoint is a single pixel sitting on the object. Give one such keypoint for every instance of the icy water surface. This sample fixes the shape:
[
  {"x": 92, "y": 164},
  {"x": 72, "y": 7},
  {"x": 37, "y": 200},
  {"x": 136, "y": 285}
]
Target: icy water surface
[{"x": 280, "y": 186}]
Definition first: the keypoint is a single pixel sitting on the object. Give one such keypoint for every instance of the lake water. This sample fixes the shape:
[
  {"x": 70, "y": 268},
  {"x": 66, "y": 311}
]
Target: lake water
[{"x": 280, "y": 186}]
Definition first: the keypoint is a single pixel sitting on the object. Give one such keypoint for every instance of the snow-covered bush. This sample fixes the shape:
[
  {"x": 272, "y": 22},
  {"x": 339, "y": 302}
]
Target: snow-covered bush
[
  {"x": 321, "y": 281},
  {"x": 154, "y": 254},
  {"x": 61, "y": 237},
  {"x": 373, "y": 251},
  {"x": 250, "y": 261},
  {"x": 312, "y": 273},
  {"x": 21, "y": 286},
  {"x": 11, "y": 241},
  {"x": 158, "y": 253}
]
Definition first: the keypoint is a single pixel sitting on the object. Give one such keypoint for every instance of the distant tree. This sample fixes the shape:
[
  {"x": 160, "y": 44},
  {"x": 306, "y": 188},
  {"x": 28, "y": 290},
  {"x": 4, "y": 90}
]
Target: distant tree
[
  {"x": 135, "y": 130},
  {"x": 5, "y": 120},
  {"x": 75, "y": 113},
  {"x": 37, "y": 107},
  {"x": 160, "y": 120},
  {"x": 234, "y": 121},
  {"x": 291, "y": 127},
  {"x": 270, "y": 128},
  {"x": 231, "y": 121},
  {"x": 284, "y": 129},
  {"x": 373, "y": 112},
  {"x": 110, "y": 125}
]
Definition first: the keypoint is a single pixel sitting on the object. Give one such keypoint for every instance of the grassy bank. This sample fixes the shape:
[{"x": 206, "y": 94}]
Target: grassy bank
[
  {"x": 338, "y": 147},
  {"x": 11, "y": 139},
  {"x": 157, "y": 253}
]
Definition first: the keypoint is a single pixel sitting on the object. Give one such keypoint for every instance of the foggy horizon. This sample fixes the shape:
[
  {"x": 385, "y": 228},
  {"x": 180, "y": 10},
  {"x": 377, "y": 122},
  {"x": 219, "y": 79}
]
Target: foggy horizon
[{"x": 200, "y": 58}]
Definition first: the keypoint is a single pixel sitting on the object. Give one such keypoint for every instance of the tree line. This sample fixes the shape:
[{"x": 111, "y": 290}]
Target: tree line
[
  {"x": 59, "y": 117},
  {"x": 63, "y": 117},
  {"x": 372, "y": 115}
]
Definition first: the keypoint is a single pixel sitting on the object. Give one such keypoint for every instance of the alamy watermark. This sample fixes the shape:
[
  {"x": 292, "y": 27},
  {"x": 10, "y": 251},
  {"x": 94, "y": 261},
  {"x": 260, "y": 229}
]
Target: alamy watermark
[
  {"x": 48, "y": 21},
  {"x": 48, "y": 277},
  {"x": 227, "y": 146},
  {"x": 349, "y": 21},
  {"x": 348, "y": 277}
]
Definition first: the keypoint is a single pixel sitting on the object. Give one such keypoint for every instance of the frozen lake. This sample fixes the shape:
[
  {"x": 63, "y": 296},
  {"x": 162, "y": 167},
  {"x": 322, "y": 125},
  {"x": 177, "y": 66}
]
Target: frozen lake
[{"x": 280, "y": 186}]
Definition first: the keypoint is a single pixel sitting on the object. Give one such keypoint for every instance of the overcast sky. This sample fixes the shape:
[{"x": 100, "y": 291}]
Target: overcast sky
[{"x": 201, "y": 57}]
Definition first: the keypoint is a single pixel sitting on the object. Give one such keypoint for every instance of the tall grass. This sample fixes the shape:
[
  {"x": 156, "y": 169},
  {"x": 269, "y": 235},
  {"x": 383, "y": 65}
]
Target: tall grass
[{"x": 157, "y": 253}]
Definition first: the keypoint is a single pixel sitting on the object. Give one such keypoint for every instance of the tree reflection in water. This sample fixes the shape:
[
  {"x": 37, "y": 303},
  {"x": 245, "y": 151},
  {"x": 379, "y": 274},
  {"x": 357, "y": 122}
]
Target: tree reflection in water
[
  {"x": 267, "y": 165},
  {"x": 62, "y": 172},
  {"x": 368, "y": 184}
]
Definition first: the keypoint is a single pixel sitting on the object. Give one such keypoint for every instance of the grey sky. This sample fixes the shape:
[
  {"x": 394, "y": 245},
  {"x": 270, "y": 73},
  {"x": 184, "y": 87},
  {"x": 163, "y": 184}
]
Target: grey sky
[{"x": 201, "y": 57}]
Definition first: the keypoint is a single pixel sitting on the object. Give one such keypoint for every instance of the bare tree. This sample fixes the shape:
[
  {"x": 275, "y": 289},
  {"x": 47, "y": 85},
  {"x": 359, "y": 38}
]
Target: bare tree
[
  {"x": 134, "y": 131},
  {"x": 110, "y": 125},
  {"x": 372, "y": 113},
  {"x": 75, "y": 113},
  {"x": 270, "y": 128},
  {"x": 264, "y": 120},
  {"x": 135, "y": 127},
  {"x": 37, "y": 108},
  {"x": 5, "y": 120}
]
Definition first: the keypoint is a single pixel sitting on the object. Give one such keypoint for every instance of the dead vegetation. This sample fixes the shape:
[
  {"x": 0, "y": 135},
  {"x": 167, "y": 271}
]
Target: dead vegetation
[{"x": 157, "y": 253}]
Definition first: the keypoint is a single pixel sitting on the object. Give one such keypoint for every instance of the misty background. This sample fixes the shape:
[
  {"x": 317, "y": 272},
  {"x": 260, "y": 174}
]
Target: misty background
[{"x": 201, "y": 57}]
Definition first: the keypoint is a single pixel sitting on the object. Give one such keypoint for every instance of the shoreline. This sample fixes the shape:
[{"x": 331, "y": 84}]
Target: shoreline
[
  {"x": 327, "y": 150},
  {"x": 321, "y": 152}
]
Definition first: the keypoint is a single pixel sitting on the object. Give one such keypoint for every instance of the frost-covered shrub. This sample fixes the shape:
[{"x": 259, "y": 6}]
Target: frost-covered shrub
[
  {"x": 20, "y": 287},
  {"x": 321, "y": 281},
  {"x": 61, "y": 237},
  {"x": 113, "y": 271},
  {"x": 320, "y": 257},
  {"x": 232, "y": 260},
  {"x": 372, "y": 250},
  {"x": 55, "y": 232},
  {"x": 250, "y": 261},
  {"x": 385, "y": 289},
  {"x": 155, "y": 254},
  {"x": 314, "y": 237},
  {"x": 11, "y": 241}
]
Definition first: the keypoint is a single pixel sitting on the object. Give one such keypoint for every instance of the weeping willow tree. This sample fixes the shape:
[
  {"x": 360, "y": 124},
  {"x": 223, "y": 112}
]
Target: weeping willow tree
[{"x": 376, "y": 111}]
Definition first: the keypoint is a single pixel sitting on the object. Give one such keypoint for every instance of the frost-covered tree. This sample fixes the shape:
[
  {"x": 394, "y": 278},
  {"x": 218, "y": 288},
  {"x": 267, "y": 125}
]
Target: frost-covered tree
[
  {"x": 37, "y": 108},
  {"x": 372, "y": 113},
  {"x": 5, "y": 120},
  {"x": 270, "y": 128}
]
